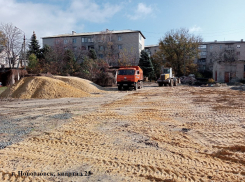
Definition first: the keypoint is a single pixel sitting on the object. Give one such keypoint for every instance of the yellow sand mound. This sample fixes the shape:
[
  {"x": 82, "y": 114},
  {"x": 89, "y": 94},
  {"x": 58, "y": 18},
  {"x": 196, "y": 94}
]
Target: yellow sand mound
[
  {"x": 81, "y": 84},
  {"x": 43, "y": 88}
]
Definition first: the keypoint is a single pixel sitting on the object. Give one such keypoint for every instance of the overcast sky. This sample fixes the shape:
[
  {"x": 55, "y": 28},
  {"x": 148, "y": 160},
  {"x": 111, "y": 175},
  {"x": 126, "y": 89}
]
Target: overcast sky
[{"x": 212, "y": 19}]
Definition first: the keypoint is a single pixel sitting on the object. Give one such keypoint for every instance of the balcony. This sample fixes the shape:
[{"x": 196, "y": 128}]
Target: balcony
[{"x": 229, "y": 48}]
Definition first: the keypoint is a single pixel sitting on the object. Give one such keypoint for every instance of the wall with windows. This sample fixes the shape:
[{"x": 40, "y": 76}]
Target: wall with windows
[
  {"x": 131, "y": 41},
  {"x": 151, "y": 49}
]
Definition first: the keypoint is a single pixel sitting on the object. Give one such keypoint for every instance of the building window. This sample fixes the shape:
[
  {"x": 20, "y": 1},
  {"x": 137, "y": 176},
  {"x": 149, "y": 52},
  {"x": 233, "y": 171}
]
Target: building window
[
  {"x": 238, "y": 46},
  {"x": 101, "y": 55},
  {"x": 57, "y": 41},
  {"x": 74, "y": 41},
  {"x": 84, "y": 39},
  {"x": 220, "y": 47},
  {"x": 119, "y": 38},
  {"x": 83, "y": 48},
  {"x": 101, "y": 48},
  {"x": 119, "y": 46},
  {"x": 65, "y": 41},
  {"x": 229, "y": 46},
  {"x": 140, "y": 36},
  {"x": 210, "y": 47},
  {"x": 90, "y": 47},
  {"x": 202, "y": 47},
  {"x": 238, "y": 53},
  {"x": 90, "y": 40}
]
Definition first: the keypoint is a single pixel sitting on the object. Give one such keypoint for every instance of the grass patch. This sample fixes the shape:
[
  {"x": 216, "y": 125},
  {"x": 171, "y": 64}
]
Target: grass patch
[{"x": 2, "y": 89}]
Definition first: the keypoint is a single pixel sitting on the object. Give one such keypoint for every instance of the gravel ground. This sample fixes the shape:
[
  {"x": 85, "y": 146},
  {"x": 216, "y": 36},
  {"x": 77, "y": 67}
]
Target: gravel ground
[
  {"x": 184, "y": 133},
  {"x": 20, "y": 118}
]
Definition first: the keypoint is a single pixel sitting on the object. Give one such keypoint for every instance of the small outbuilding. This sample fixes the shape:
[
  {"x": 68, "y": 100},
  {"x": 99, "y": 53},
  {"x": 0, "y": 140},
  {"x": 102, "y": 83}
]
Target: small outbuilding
[{"x": 229, "y": 71}]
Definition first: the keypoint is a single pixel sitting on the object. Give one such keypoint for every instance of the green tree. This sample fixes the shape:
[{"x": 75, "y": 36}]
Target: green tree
[
  {"x": 180, "y": 48},
  {"x": 92, "y": 54},
  {"x": 33, "y": 64},
  {"x": 34, "y": 47},
  {"x": 146, "y": 65},
  {"x": 70, "y": 65},
  {"x": 32, "y": 61},
  {"x": 157, "y": 60}
]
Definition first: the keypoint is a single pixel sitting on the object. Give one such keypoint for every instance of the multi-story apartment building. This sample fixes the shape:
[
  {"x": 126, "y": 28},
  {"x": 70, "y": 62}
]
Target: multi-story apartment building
[
  {"x": 151, "y": 49},
  {"x": 107, "y": 44},
  {"x": 226, "y": 59}
]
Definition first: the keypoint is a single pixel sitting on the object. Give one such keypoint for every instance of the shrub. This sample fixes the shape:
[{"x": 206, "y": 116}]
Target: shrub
[{"x": 211, "y": 80}]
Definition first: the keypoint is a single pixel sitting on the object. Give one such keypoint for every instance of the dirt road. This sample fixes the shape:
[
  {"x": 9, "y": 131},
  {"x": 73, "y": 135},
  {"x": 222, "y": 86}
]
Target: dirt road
[{"x": 155, "y": 134}]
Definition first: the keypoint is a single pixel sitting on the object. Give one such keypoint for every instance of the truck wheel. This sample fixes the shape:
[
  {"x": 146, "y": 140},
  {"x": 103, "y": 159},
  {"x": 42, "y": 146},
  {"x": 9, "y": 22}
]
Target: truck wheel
[
  {"x": 161, "y": 84},
  {"x": 119, "y": 87},
  {"x": 175, "y": 83},
  {"x": 171, "y": 83},
  {"x": 165, "y": 84},
  {"x": 136, "y": 86},
  {"x": 139, "y": 85}
]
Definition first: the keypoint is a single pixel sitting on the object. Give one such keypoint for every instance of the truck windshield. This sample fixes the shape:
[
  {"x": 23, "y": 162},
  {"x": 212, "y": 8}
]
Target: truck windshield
[
  {"x": 126, "y": 72},
  {"x": 166, "y": 71}
]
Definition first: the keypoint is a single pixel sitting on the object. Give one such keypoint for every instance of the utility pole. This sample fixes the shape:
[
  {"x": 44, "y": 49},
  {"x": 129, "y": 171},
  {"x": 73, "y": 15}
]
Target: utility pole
[{"x": 25, "y": 50}]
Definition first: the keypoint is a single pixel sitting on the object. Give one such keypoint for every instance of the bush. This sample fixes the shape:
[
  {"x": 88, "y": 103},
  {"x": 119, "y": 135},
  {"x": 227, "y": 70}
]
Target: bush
[
  {"x": 198, "y": 75},
  {"x": 211, "y": 80}
]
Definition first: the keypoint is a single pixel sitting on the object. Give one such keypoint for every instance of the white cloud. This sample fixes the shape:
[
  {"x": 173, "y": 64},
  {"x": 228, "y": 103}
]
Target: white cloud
[
  {"x": 195, "y": 29},
  {"x": 141, "y": 12},
  {"x": 47, "y": 19},
  {"x": 90, "y": 11}
]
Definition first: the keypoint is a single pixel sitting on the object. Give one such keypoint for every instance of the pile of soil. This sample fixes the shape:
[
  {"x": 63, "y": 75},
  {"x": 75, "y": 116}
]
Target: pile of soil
[
  {"x": 81, "y": 84},
  {"x": 50, "y": 87}
]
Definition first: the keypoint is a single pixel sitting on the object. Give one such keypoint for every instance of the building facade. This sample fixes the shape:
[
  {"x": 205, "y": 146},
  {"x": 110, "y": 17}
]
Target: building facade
[
  {"x": 109, "y": 45},
  {"x": 225, "y": 59},
  {"x": 151, "y": 49}
]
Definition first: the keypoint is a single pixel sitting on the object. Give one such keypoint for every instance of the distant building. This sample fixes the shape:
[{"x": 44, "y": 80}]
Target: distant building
[
  {"x": 226, "y": 59},
  {"x": 151, "y": 49},
  {"x": 128, "y": 41}
]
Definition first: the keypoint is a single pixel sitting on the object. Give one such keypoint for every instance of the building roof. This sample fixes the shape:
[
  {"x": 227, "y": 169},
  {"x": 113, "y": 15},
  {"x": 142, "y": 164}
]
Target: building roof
[
  {"x": 148, "y": 46},
  {"x": 223, "y": 42},
  {"x": 74, "y": 34}
]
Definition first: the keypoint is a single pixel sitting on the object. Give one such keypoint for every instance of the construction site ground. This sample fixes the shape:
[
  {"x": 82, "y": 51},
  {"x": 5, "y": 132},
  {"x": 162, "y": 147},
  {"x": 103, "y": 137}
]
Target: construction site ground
[{"x": 182, "y": 133}]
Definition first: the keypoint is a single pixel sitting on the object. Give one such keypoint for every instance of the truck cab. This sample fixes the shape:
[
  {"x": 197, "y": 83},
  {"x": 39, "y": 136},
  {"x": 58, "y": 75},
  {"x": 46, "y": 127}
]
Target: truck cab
[
  {"x": 167, "y": 78},
  {"x": 130, "y": 76}
]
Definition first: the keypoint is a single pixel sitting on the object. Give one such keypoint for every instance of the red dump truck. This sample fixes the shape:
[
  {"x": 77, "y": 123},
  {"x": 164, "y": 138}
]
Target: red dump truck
[{"x": 130, "y": 76}]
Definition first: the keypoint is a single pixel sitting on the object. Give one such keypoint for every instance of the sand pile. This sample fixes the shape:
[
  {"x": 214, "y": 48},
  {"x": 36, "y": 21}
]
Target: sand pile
[
  {"x": 47, "y": 88},
  {"x": 81, "y": 84}
]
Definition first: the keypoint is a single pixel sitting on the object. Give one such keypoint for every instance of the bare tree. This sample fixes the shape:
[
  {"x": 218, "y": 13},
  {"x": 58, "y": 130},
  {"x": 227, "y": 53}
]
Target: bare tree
[
  {"x": 180, "y": 48},
  {"x": 128, "y": 57},
  {"x": 13, "y": 39},
  {"x": 107, "y": 49}
]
